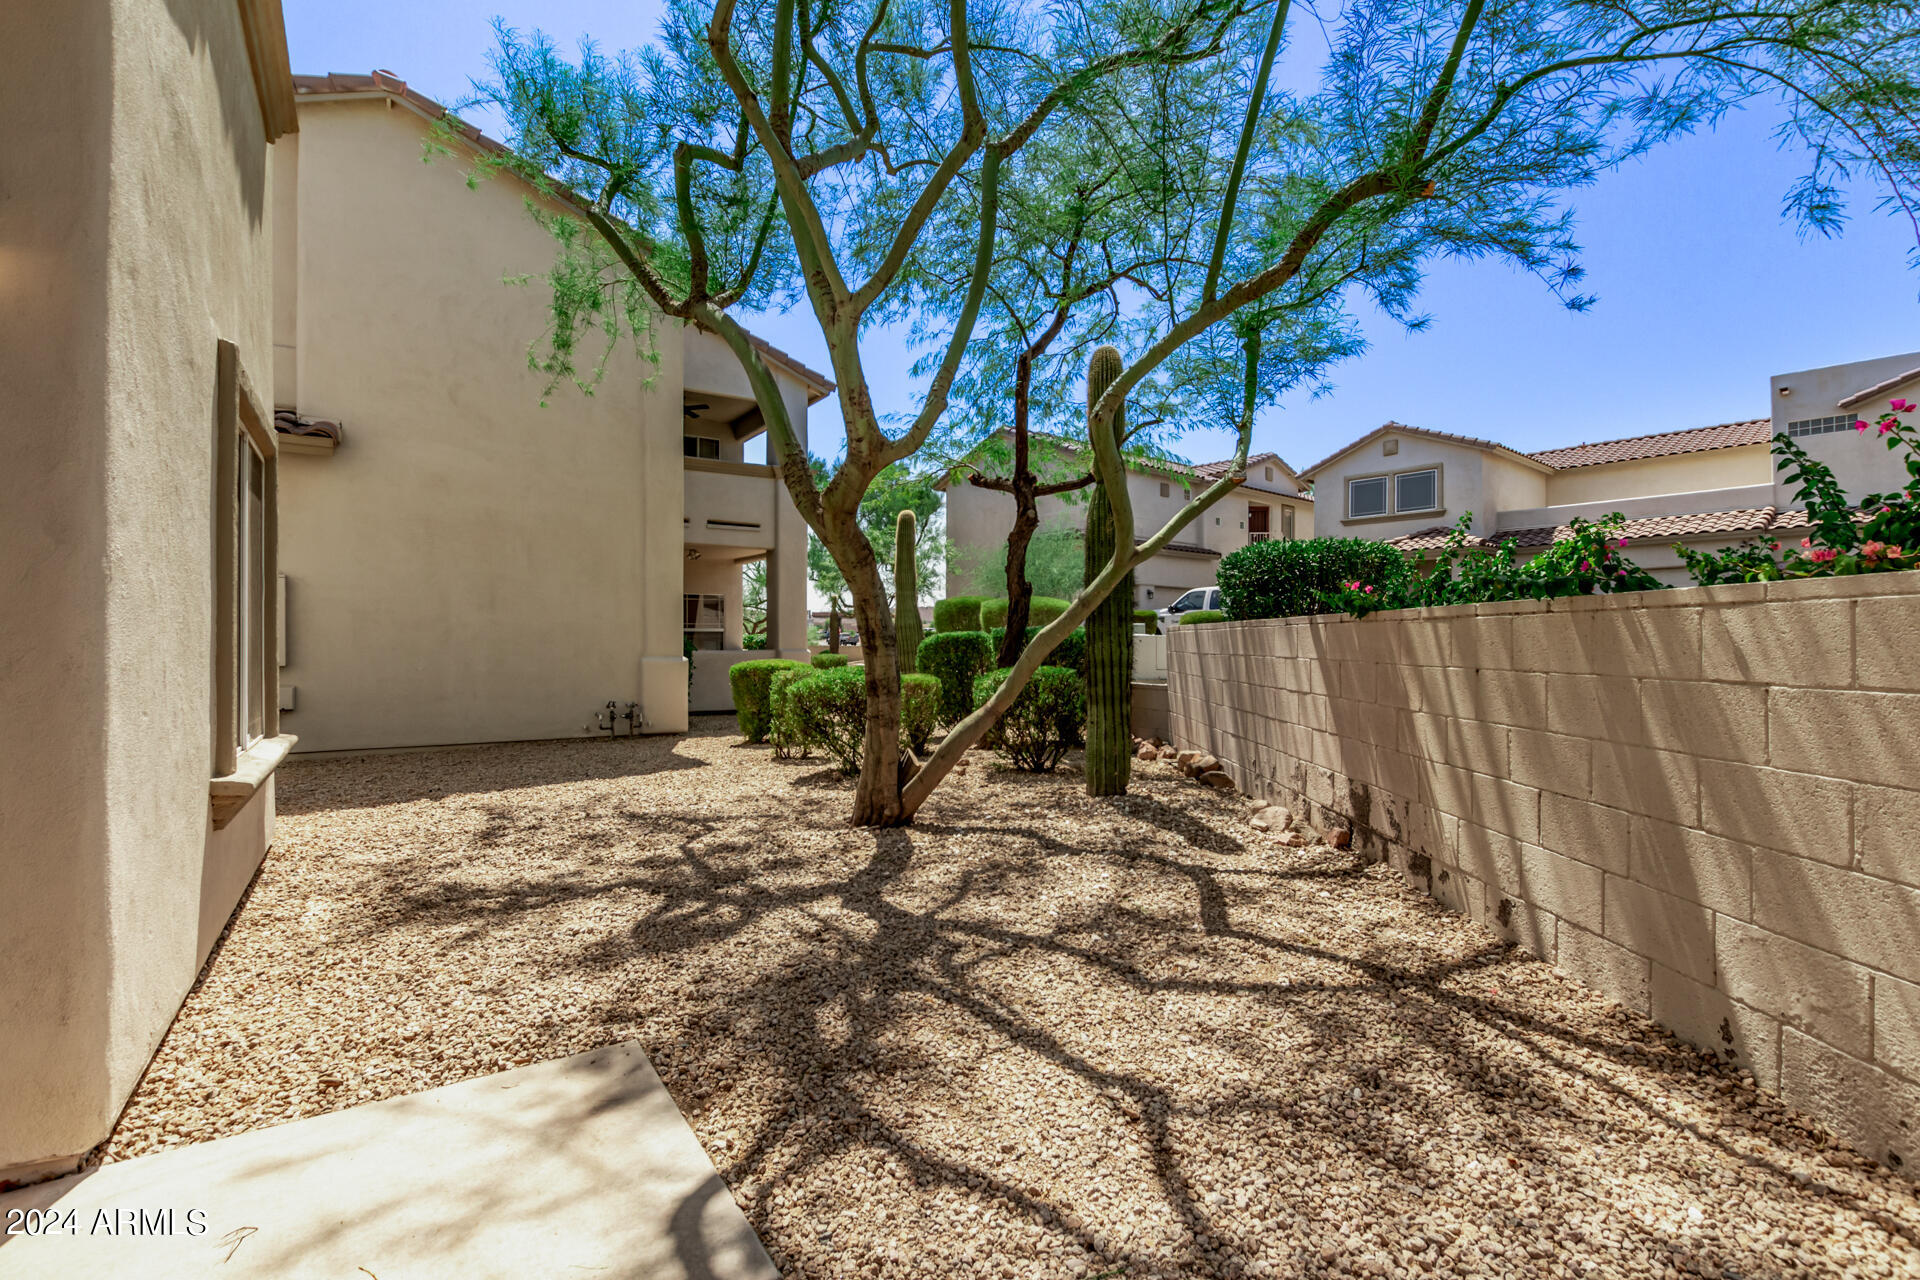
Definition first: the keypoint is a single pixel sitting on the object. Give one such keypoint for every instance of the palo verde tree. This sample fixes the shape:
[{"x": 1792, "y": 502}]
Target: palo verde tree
[{"x": 808, "y": 149}]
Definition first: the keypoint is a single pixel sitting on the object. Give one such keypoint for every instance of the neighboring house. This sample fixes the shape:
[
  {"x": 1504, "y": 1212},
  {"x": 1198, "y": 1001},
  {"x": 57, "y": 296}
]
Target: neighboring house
[
  {"x": 1706, "y": 487},
  {"x": 1271, "y": 503},
  {"x": 463, "y": 563},
  {"x": 137, "y": 526}
]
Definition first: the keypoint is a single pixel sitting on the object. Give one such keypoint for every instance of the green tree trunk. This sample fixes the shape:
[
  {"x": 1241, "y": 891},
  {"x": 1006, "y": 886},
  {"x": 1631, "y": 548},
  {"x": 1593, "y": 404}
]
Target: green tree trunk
[
  {"x": 1109, "y": 627},
  {"x": 906, "y": 595}
]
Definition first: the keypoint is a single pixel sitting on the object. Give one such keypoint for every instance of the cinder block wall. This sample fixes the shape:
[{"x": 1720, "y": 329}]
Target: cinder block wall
[{"x": 1704, "y": 802}]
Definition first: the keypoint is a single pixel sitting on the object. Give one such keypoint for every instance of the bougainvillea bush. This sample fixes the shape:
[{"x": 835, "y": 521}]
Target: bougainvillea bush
[
  {"x": 1882, "y": 534},
  {"x": 1589, "y": 561}
]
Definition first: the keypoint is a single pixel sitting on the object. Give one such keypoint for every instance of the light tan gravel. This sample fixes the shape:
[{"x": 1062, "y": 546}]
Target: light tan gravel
[{"x": 1035, "y": 1035}]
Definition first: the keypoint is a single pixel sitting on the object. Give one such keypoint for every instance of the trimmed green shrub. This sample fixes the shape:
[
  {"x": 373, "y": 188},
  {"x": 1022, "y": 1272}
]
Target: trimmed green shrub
[
  {"x": 919, "y": 709},
  {"x": 1070, "y": 653},
  {"x": 830, "y": 711},
  {"x": 1043, "y": 721},
  {"x": 1202, "y": 615},
  {"x": 954, "y": 658},
  {"x": 1040, "y": 611},
  {"x": 1151, "y": 619},
  {"x": 749, "y": 682},
  {"x": 827, "y": 661},
  {"x": 788, "y": 737},
  {"x": 957, "y": 613},
  {"x": 1283, "y": 579}
]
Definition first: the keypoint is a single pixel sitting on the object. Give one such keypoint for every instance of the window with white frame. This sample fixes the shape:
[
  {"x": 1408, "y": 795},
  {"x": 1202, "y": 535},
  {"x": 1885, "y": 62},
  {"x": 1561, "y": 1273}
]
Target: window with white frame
[
  {"x": 246, "y": 614},
  {"x": 1366, "y": 496},
  {"x": 1399, "y": 493},
  {"x": 1416, "y": 491},
  {"x": 704, "y": 620}
]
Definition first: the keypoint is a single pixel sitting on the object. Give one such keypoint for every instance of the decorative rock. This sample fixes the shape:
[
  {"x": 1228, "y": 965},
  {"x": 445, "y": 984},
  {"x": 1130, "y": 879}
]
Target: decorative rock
[
  {"x": 1272, "y": 818},
  {"x": 1185, "y": 758},
  {"x": 1168, "y": 753},
  {"x": 1339, "y": 837},
  {"x": 1146, "y": 753},
  {"x": 1218, "y": 779}
]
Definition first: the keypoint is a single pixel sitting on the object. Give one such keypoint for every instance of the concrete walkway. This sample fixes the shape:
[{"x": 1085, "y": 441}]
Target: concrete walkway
[{"x": 578, "y": 1167}]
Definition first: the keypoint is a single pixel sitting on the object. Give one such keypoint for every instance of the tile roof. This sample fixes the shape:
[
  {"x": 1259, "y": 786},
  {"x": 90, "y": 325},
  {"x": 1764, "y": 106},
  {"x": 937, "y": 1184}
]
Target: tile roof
[
  {"x": 1749, "y": 520},
  {"x": 1401, "y": 428},
  {"x": 1879, "y": 388},
  {"x": 289, "y": 423},
  {"x": 1664, "y": 444},
  {"x": 338, "y": 84},
  {"x": 1186, "y": 549}
]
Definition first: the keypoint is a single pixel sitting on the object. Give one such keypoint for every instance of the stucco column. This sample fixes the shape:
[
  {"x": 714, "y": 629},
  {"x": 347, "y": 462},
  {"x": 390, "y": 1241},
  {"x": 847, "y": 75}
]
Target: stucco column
[{"x": 787, "y": 558}]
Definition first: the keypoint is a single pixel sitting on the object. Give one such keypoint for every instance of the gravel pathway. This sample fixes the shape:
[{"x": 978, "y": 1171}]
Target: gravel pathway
[{"x": 1035, "y": 1035}]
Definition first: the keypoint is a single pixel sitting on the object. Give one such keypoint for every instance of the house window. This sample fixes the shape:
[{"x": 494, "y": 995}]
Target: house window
[
  {"x": 1258, "y": 522},
  {"x": 1165, "y": 489},
  {"x": 704, "y": 620},
  {"x": 1367, "y": 497},
  {"x": 1401, "y": 493},
  {"x": 246, "y": 615},
  {"x": 700, "y": 446},
  {"x": 1821, "y": 426},
  {"x": 1286, "y": 523},
  {"x": 1416, "y": 491},
  {"x": 1269, "y": 474}
]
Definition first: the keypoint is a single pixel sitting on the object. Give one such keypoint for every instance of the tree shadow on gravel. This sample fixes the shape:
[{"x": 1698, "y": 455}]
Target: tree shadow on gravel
[{"x": 1183, "y": 1011}]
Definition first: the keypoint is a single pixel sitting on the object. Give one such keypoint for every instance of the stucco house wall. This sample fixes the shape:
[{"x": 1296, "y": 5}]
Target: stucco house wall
[
  {"x": 1471, "y": 479},
  {"x": 1860, "y": 462},
  {"x": 471, "y": 564},
  {"x": 136, "y": 215},
  {"x": 1651, "y": 477}
]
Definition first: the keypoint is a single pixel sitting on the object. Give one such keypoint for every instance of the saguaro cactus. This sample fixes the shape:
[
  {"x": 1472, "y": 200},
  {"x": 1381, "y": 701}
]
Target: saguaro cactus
[
  {"x": 1110, "y": 627},
  {"x": 906, "y": 595}
]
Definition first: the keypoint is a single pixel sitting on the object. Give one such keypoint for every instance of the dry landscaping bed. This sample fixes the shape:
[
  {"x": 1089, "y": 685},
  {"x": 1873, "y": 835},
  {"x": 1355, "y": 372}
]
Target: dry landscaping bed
[{"x": 1034, "y": 1035}]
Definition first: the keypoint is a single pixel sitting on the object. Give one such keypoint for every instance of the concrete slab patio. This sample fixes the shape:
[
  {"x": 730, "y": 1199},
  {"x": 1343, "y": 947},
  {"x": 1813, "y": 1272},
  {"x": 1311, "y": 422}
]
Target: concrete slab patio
[{"x": 579, "y": 1166}]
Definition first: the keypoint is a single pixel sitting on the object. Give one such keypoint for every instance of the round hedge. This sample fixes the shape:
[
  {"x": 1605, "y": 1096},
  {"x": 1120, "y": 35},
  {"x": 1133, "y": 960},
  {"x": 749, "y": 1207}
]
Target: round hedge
[
  {"x": 919, "y": 710},
  {"x": 957, "y": 613},
  {"x": 749, "y": 682},
  {"x": 1283, "y": 579},
  {"x": 1040, "y": 611},
  {"x": 1150, "y": 618},
  {"x": 1070, "y": 653},
  {"x": 1045, "y": 719},
  {"x": 1201, "y": 615},
  {"x": 830, "y": 711},
  {"x": 784, "y": 731},
  {"x": 954, "y": 658},
  {"x": 827, "y": 661}
]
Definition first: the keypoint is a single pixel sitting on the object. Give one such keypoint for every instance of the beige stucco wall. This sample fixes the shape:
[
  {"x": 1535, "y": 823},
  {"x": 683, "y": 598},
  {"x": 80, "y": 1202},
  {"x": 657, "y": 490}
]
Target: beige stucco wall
[
  {"x": 1699, "y": 801},
  {"x": 135, "y": 237},
  {"x": 979, "y": 520},
  {"x": 1470, "y": 480},
  {"x": 1683, "y": 473},
  {"x": 1861, "y": 463},
  {"x": 469, "y": 565}
]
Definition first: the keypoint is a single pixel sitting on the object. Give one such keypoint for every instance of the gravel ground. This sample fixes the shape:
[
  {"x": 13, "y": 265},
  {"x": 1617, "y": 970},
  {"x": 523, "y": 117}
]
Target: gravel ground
[{"x": 1035, "y": 1035}]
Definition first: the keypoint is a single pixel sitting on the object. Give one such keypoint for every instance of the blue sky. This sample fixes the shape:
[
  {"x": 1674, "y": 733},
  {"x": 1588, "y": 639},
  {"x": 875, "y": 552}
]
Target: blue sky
[{"x": 1704, "y": 289}]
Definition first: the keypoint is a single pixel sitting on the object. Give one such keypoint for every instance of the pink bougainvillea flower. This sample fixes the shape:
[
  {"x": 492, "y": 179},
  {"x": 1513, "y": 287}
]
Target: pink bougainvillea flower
[
  {"x": 1585, "y": 567},
  {"x": 1622, "y": 544},
  {"x": 1872, "y": 549},
  {"x": 1776, "y": 546},
  {"x": 1861, "y": 424},
  {"x": 1823, "y": 555},
  {"x": 1806, "y": 542},
  {"x": 1900, "y": 406},
  {"x": 1885, "y": 427},
  {"x": 1369, "y": 588},
  {"x": 1894, "y": 553}
]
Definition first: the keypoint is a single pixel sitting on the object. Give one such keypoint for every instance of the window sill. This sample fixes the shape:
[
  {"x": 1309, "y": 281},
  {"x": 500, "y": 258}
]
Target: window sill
[
  {"x": 1398, "y": 515},
  {"x": 229, "y": 795},
  {"x": 322, "y": 445}
]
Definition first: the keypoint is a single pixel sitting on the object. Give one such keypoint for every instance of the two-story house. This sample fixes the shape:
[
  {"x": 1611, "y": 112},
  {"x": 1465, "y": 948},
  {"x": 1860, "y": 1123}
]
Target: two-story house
[
  {"x": 1703, "y": 487},
  {"x": 137, "y": 534},
  {"x": 468, "y": 556},
  {"x": 1271, "y": 503}
]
